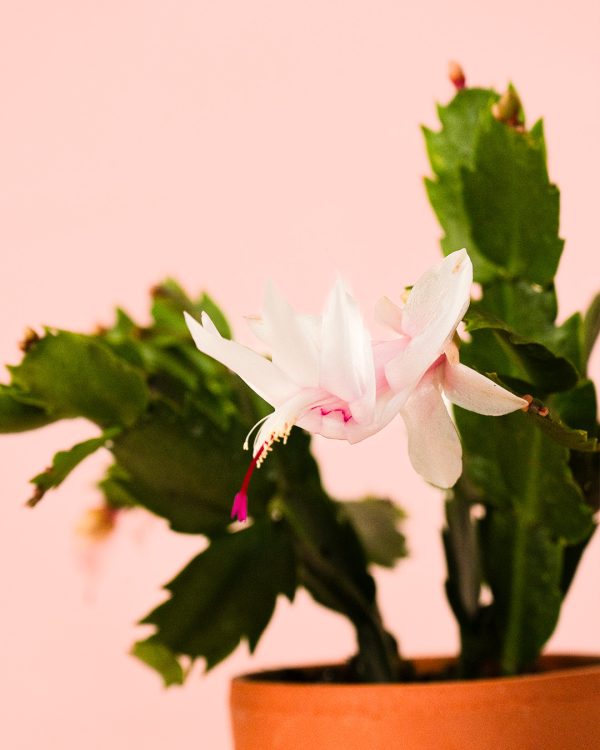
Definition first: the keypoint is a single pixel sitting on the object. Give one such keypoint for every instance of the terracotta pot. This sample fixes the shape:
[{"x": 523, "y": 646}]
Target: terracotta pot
[{"x": 556, "y": 709}]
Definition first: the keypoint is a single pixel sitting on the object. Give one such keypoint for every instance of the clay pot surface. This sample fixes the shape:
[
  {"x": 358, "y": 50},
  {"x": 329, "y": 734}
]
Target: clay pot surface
[{"x": 556, "y": 709}]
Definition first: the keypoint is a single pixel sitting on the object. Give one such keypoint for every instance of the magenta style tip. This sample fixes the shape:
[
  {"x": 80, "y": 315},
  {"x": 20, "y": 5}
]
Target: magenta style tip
[{"x": 239, "y": 509}]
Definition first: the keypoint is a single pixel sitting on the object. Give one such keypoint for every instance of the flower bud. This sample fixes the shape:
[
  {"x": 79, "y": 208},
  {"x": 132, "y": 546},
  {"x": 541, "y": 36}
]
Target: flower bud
[
  {"x": 508, "y": 108},
  {"x": 30, "y": 337},
  {"x": 456, "y": 75}
]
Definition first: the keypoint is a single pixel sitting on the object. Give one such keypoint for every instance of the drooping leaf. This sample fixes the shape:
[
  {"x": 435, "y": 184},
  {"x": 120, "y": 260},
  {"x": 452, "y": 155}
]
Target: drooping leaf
[
  {"x": 16, "y": 415},
  {"x": 227, "y": 593},
  {"x": 497, "y": 348},
  {"x": 72, "y": 375},
  {"x": 377, "y": 524},
  {"x": 160, "y": 658},
  {"x": 64, "y": 462},
  {"x": 576, "y": 440}
]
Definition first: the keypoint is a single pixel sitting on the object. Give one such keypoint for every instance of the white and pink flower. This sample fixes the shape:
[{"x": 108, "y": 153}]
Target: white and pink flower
[{"x": 325, "y": 374}]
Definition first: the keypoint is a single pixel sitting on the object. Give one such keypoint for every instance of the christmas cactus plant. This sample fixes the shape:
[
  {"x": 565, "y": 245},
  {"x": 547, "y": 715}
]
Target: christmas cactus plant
[{"x": 176, "y": 401}]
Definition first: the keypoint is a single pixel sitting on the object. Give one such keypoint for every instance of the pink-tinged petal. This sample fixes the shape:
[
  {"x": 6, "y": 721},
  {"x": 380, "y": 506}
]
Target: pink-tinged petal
[
  {"x": 433, "y": 444},
  {"x": 388, "y": 313},
  {"x": 280, "y": 422},
  {"x": 239, "y": 509},
  {"x": 435, "y": 307},
  {"x": 440, "y": 296},
  {"x": 293, "y": 349},
  {"x": 347, "y": 369},
  {"x": 258, "y": 372},
  {"x": 471, "y": 390}
]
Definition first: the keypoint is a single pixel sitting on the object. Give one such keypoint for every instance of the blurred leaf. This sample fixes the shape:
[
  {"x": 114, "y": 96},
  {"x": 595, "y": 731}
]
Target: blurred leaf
[
  {"x": 185, "y": 470},
  {"x": 117, "y": 488},
  {"x": 376, "y": 522},
  {"x": 71, "y": 375},
  {"x": 227, "y": 593},
  {"x": 591, "y": 327},
  {"x": 160, "y": 658},
  {"x": 64, "y": 462},
  {"x": 17, "y": 415}
]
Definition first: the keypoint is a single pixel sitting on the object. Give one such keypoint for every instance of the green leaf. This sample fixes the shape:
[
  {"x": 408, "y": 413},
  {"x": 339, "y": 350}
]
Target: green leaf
[
  {"x": 514, "y": 465},
  {"x": 523, "y": 564},
  {"x": 64, "y": 462},
  {"x": 512, "y": 208},
  {"x": 118, "y": 488},
  {"x": 535, "y": 510},
  {"x": 71, "y": 375},
  {"x": 183, "y": 469},
  {"x": 497, "y": 348},
  {"x": 16, "y": 415},
  {"x": 576, "y": 440},
  {"x": 227, "y": 593},
  {"x": 591, "y": 327},
  {"x": 376, "y": 522},
  {"x": 160, "y": 658},
  {"x": 449, "y": 151},
  {"x": 577, "y": 407},
  {"x": 506, "y": 299}
]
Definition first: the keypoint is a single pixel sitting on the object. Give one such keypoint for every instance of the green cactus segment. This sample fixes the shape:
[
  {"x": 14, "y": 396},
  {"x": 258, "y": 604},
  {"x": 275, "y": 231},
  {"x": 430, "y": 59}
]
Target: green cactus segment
[
  {"x": 227, "y": 593},
  {"x": 536, "y": 474},
  {"x": 72, "y": 375},
  {"x": 64, "y": 462},
  {"x": 18, "y": 414}
]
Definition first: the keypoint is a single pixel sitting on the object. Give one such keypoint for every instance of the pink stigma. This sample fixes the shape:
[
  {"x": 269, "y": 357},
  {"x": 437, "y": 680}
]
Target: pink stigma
[{"x": 239, "y": 509}]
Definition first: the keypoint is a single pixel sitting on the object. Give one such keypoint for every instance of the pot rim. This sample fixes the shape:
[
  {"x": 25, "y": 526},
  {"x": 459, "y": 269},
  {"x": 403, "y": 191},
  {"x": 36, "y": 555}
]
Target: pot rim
[{"x": 565, "y": 664}]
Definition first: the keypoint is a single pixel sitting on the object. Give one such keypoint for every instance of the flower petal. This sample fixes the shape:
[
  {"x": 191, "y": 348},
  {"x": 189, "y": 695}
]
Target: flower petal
[
  {"x": 471, "y": 390},
  {"x": 433, "y": 444},
  {"x": 389, "y": 313},
  {"x": 435, "y": 307},
  {"x": 258, "y": 372},
  {"x": 347, "y": 369},
  {"x": 293, "y": 347},
  {"x": 280, "y": 422}
]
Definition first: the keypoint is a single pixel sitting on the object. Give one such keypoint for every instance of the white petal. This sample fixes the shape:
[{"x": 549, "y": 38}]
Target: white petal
[
  {"x": 293, "y": 348},
  {"x": 388, "y": 313},
  {"x": 441, "y": 294},
  {"x": 433, "y": 444},
  {"x": 260, "y": 374},
  {"x": 471, "y": 390},
  {"x": 435, "y": 307},
  {"x": 347, "y": 369}
]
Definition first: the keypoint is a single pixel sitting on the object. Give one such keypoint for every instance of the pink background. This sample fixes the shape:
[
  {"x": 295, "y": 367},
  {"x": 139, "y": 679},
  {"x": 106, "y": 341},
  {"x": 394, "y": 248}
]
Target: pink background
[{"x": 224, "y": 143}]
